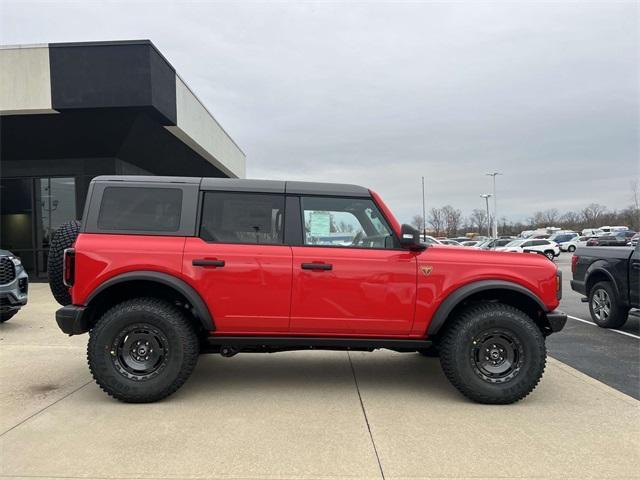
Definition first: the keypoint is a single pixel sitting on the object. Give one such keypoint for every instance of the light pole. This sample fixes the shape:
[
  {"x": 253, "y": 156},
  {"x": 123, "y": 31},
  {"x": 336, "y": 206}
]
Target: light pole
[
  {"x": 495, "y": 204},
  {"x": 424, "y": 208},
  {"x": 486, "y": 197}
]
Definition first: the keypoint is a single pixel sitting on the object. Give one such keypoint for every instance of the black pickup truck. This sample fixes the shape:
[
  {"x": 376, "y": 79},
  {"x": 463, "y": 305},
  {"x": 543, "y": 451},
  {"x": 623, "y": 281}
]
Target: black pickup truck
[{"x": 610, "y": 279}]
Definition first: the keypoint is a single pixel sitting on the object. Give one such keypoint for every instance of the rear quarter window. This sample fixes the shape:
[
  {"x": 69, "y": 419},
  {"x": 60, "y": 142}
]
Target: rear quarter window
[{"x": 140, "y": 209}]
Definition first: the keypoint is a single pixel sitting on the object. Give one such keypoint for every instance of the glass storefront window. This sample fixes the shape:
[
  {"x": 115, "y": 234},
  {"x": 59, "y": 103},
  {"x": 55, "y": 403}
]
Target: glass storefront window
[{"x": 32, "y": 209}]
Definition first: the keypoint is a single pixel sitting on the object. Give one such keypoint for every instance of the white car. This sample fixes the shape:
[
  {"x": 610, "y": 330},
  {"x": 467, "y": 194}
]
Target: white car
[
  {"x": 574, "y": 243},
  {"x": 470, "y": 243},
  {"x": 563, "y": 239},
  {"x": 545, "y": 247},
  {"x": 429, "y": 240}
]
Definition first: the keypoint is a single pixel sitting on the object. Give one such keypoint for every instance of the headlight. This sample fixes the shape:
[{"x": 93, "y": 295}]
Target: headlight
[{"x": 16, "y": 261}]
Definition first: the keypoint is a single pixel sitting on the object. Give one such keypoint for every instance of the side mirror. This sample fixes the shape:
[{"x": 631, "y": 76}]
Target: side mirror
[{"x": 410, "y": 238}]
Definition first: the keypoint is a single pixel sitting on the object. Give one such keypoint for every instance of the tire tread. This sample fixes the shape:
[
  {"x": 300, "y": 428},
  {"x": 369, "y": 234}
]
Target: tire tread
[
  {"x": 454, "y": 334},
  {"x": 169, "y": 313}
]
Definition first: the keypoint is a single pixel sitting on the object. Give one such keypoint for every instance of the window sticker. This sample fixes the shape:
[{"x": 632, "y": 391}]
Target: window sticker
[{"x": 319, "y": 224}]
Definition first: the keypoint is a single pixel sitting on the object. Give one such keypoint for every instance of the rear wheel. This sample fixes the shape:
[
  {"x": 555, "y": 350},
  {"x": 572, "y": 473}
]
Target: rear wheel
[
  {"x": 142, "y": 350},
  {"x": 550, "y": 255},
  {"x": 4, "y": 316},
  {"x": 571, "y": 248},
  {"x": 605, "y": 308},
  {"x": 493, "y": 353}
]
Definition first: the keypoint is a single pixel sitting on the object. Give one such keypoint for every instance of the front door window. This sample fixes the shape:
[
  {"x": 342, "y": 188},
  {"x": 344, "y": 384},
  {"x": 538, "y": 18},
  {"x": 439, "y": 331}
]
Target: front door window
[{"x": 344, "y": 222}]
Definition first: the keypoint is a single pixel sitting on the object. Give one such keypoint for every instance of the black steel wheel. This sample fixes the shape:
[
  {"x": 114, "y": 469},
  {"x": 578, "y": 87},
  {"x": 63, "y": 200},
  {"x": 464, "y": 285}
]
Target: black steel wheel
[
  {"x": 497, "y": 355},
  {"x": 142, "y": 350},
  {"x": 493, "y": 353}
]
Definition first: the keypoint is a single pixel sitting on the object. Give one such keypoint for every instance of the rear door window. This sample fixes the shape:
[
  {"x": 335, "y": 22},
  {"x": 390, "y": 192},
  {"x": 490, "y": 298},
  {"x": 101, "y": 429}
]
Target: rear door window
[
  {"x": 140, "y": 209},
  {"x": 229, "y": 217}
]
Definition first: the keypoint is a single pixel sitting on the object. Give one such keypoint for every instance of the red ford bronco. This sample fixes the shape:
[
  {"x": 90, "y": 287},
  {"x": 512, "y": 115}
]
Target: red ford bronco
[{"x": 162, "y": 269}]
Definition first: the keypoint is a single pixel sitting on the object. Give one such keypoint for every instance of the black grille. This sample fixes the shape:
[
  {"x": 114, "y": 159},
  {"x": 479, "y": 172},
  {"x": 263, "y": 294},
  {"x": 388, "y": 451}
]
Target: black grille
[{"x": 7, "y": 270}]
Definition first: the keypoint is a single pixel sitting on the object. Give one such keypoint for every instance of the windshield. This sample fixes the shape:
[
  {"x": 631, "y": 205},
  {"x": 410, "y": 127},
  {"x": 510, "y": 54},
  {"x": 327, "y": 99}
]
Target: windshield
[{"x": 515, "y": 243}]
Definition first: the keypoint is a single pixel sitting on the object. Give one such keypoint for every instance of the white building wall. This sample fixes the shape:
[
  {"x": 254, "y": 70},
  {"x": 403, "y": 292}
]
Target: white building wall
[
  {"x": 197, "y": 128},
  {"x": 25, "y": 80}
]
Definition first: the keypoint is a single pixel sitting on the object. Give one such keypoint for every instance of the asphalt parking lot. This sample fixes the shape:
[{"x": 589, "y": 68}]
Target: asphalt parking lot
[
  {"x": 613, "y": 357},
  {"x": 300, "y": 415}
]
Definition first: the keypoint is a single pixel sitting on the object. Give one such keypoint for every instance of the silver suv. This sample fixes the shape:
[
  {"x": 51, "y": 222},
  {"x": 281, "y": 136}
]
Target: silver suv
[{"x": 14, "y": 285}]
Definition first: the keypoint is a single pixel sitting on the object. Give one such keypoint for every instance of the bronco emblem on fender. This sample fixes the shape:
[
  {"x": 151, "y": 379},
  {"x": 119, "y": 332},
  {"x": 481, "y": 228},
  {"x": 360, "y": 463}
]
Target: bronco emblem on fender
[{"x": 426, "y": 269}]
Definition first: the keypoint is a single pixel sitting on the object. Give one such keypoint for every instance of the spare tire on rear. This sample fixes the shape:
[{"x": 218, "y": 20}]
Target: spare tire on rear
[{"x": 64, "y": 238}]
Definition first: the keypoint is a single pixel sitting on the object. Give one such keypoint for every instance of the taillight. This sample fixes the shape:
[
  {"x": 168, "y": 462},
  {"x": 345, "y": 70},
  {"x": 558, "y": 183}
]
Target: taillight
[
  {"x": 69, "y": 262},
  {"x": 574, "y": 263}
]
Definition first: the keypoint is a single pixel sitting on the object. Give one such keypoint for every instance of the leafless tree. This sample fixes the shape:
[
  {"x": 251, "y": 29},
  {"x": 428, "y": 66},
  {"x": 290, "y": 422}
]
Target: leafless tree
[
  {"x": 593, "y": 213},
  {"x": 418, "y": 222},
  {"x": 436, "y": 220},
  {"x": 478, "y": 220},
  {"x": 546, "y": 218},
  {"x": 452, "y": 218}
]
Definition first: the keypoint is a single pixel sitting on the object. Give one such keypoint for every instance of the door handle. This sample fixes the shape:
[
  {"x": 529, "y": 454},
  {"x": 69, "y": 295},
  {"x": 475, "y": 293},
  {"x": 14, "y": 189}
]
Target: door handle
[
  {"x": 316, "y": 266},
  {"x": 203, "y": 262}
]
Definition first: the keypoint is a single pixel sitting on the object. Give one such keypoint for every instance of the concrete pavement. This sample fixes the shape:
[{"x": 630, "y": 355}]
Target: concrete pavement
[{"x": 298, "y": 415}]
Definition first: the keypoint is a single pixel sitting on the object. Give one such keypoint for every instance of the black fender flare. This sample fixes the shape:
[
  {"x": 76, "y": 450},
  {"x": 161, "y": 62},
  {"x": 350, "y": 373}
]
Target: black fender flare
[
  {"x": 464, "y": 292},
  {"x": 597, "y": 268},
  {"x": 182, "y": 287}
]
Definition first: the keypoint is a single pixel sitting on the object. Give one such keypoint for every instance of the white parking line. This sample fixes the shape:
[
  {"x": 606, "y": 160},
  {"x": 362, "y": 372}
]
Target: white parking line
[{"x": 610, "y": 329}]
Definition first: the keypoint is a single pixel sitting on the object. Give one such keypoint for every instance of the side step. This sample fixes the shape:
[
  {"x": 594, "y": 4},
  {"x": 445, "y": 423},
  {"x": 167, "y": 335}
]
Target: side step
[{"x": 229, "y": 346}]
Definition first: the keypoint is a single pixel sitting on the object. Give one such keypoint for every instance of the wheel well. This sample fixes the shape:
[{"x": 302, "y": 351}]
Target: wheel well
[
  {"x": 127, "y": 290},
  {"x": 514, "y": 298},
  {"x": 595, "y": 277}
]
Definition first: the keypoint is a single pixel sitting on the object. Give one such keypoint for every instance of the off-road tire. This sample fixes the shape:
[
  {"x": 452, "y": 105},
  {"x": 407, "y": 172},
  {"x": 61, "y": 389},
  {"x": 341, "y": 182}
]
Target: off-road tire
[
  {"x": 64, "y": 238},
  {"x": 457, "y": 345},
  {"x": 617, "y": 313},
  {"x": 170, "y": 323},
  {"x": 4, "y": 316}
]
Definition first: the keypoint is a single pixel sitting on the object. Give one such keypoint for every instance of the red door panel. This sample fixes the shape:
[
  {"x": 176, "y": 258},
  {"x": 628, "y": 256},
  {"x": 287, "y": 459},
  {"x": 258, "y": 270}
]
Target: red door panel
[
  {"x": 365, "y": 291},
  {"x": 250, "y": 293}
]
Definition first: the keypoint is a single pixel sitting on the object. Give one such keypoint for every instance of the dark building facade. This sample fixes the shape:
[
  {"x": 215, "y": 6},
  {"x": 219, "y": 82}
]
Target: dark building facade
[{"x": 70, "y": 112}]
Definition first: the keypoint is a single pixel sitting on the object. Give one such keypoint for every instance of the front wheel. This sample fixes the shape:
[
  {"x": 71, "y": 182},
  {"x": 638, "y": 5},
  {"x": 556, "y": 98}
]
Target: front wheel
[
  {"x": 142, "y": 350},
  {"x": 493, "y": 353},
  {"x": 605, "y": 308}
]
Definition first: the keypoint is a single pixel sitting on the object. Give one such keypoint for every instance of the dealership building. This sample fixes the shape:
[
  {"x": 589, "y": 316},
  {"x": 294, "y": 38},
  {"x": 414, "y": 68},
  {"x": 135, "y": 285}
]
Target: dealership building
[{"x": 72, "y": 111}]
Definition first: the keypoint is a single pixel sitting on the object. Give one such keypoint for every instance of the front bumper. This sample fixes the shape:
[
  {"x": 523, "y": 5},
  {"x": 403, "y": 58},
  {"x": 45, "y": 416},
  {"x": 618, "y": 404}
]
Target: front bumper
[
  {"x": 72, "y": 320},
  {"x": 556, "y": 320},
  {"x": 14, "y": 295}
]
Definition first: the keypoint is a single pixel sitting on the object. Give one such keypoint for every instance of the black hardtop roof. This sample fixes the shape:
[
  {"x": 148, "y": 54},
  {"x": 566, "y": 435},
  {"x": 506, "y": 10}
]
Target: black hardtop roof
[{"x": 244, "y": 185}]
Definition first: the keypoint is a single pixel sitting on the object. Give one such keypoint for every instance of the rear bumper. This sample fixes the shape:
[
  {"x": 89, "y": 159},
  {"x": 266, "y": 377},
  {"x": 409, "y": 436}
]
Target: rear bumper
[
  {"x": 72, "y": 320},
  {"x": 556, "y": 320}
]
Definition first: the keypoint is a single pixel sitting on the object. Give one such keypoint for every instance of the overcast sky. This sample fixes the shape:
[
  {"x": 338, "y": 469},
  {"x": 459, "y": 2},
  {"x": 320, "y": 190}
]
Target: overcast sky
[{"x": 380, "y": 94}]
